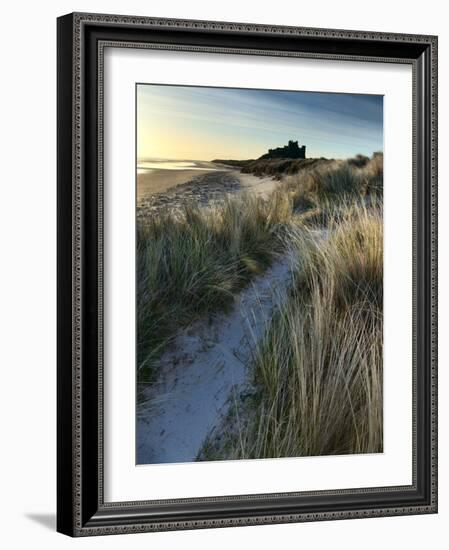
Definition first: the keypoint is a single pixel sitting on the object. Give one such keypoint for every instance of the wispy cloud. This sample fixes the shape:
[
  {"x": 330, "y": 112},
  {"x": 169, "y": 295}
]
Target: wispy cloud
[{"x": 217, "y": 122}]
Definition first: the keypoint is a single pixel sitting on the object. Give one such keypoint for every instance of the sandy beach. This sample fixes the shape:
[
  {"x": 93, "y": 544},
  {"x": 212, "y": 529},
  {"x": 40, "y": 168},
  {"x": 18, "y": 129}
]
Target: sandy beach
[
  {"x": 170, "y": 174},
  {"x": 208, "y": 183},
  {"x": 159, "y": 181}
]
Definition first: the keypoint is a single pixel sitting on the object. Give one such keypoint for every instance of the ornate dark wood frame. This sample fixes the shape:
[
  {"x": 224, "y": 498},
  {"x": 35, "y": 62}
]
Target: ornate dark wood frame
[{"x": 81, "y": 507}]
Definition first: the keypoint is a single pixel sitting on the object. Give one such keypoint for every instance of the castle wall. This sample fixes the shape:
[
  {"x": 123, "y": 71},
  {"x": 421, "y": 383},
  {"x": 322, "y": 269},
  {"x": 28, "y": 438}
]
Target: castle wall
[{"x": 292, "y": 150}]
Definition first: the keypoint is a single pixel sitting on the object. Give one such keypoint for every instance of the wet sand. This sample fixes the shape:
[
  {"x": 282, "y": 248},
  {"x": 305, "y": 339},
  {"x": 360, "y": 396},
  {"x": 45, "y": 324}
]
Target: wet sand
[{"x": 159, "y": 181}]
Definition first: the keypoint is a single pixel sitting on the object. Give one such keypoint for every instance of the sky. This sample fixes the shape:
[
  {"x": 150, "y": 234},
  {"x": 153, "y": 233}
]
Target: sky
[{"x": 201, "y": 123}]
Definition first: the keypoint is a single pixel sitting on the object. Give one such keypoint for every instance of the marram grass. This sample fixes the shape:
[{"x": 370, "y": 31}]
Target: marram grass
[
  {"x": 192, "y": 263},
  {"x": 318, "y": 371}
]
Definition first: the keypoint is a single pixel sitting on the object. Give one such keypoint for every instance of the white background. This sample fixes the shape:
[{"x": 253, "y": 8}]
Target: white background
[
  {"x": 123, "y": 480},
  {"x": 27, "y": 301}
]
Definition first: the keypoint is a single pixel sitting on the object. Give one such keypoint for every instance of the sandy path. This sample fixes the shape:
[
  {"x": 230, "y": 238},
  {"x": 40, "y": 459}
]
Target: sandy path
[
  {"x": 204, "y": 368},
  {"x": 260, "y": 185}
]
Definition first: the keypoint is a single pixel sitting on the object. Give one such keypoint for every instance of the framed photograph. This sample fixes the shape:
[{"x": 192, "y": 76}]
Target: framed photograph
[{"x": 247, "y": 274}]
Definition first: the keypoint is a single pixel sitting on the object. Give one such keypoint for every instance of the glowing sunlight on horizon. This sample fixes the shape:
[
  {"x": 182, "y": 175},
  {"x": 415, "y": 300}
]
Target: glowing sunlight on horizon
[{"x": 202, "y": 123}]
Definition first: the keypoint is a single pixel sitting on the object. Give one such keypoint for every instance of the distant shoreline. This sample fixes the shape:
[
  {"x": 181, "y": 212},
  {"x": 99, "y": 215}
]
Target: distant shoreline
[
  {"x": 157, "y": 181},
  {"x": 160, "y": 180}
]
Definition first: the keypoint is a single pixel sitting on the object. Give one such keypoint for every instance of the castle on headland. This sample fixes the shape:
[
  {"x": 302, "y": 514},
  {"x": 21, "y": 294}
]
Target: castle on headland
[{"x": 290, "y": 151}]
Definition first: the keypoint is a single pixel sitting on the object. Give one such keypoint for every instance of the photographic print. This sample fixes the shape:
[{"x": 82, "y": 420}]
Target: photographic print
[
  {"x": 259, "y": 273},
  {"x": 246, "y": 335}
]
